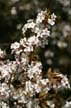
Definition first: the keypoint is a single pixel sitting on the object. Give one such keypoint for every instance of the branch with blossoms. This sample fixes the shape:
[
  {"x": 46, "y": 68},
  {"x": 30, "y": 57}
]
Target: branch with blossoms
[{"x": 22, "y": 82}]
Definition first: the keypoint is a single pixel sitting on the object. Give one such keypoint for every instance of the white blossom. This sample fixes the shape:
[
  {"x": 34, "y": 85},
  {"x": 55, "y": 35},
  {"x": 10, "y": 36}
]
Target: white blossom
[
  {"x": 15, "y": 45},
  {"x": 33, "y": 40},
  {"x": 23, "y": 42},
  {"x": 4, "y": 105},
  {"x": 40, "y": 17},
  {"x": 30, "y": 24},
  {"x": 5, "y": 71},
  {"x": 4, "y": 90},
  {"x": 51, "y": 20},
  {"x": 67, "y": 105},
  {"x": 34, "y": 70},
  {"x": 53, "y": 16},
  {"x": 2, "y": 54}
]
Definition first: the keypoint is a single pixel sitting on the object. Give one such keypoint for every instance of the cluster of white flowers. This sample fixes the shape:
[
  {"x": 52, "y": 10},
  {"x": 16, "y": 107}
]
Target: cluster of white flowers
[
  {"x": 40, "y": 33},
  {"x": 22, "y": 79},
  {"x": 4, "y": 105},
  {"x": 4, "y": 90}
]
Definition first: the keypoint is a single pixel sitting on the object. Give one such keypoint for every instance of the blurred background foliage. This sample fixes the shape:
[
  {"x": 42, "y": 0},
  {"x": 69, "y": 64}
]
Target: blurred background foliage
[{"x": 14, "y": 14}]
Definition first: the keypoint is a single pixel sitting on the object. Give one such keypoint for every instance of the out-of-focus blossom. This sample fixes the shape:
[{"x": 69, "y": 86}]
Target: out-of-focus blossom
[
  {"x": 13, "y": 11},
  {"x": 66, "y": 30},
  {"x": 2, "y": 54},
  {"x": 65, "y": 2},
  {"x": 61, "y": 44},
  {"x": 49, "y": 53},
  {"x": 4, "y": 105},
  {"x": 67, "y": 105},
  {"x": 14, "y": 1}
]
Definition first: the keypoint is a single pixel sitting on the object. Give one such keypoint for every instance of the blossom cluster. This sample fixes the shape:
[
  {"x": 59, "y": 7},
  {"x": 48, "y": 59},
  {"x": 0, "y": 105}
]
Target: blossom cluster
[
  {"x": 39, "y": 32},
  {"x": 22, "y": 81}
]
